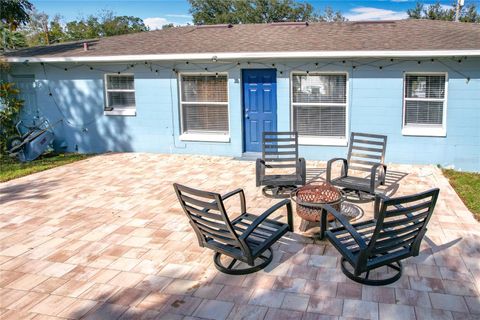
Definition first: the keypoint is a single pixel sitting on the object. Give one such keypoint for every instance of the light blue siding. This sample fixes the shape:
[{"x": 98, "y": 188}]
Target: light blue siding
[{"x": 375, "y": 106}]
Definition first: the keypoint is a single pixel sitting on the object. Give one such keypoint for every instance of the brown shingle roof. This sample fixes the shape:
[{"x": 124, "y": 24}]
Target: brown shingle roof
[{"x": 400, "y": 35}]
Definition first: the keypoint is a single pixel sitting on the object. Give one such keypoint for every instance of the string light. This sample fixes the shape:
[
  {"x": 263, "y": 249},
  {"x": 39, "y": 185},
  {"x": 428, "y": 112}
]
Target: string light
[{"x": 225, "y": 66}]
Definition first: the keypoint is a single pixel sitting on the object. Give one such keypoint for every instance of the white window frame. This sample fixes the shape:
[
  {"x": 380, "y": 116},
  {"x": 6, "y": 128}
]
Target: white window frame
[
  {"x": 202, "y": 136},
  {"x": 419, "y": 129},
  {"x": 322, "y": 141},
  {"x": 119, "y": 111}
]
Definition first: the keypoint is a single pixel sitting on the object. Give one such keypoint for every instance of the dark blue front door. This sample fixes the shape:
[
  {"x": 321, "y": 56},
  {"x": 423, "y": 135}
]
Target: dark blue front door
[{"x": 259, "y": 106}]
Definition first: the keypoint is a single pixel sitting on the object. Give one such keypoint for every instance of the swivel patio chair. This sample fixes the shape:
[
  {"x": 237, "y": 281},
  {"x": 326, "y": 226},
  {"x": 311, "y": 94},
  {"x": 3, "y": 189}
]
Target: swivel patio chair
[
  {"x": 365, "y": 154},
  {"x": 394, "y": 234},
  {"x": 247, "y": 239},
  {"x": 280, "y": 153}
]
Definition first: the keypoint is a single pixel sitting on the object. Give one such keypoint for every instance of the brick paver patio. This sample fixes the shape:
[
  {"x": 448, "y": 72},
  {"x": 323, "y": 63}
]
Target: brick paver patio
[{"x": 105, "y": 238}]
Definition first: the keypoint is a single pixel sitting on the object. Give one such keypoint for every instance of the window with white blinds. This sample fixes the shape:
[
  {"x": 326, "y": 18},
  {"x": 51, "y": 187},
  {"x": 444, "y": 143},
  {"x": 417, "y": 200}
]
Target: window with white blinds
[
  {"x": 319, "y": 103},
  {"x": 120, "y": 92},
  {"x": 424, "y": 101},
  {"x": 204, "y": 103}
]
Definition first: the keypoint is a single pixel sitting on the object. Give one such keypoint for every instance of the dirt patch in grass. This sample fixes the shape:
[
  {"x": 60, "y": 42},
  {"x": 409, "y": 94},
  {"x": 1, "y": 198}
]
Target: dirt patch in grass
[
  {"x": 11, "y": 169},
  {"x": 467, "y": 186}
]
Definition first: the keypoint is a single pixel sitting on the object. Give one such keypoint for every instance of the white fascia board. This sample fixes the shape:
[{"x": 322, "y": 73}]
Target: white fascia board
[{"x": 254, "y": 55}]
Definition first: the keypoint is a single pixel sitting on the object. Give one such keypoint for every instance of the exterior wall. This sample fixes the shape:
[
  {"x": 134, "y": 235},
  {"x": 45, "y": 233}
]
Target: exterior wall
[{"x": 375, "y": 100}]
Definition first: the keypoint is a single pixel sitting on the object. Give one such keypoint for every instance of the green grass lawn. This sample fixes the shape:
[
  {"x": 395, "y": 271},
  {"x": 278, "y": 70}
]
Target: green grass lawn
[
  {"x": 467, "y": 185},
  {"x": 11, "y": 169}
]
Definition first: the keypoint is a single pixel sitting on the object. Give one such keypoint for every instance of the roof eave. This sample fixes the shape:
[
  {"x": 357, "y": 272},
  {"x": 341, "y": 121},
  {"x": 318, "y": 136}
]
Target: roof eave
[{"x": 253, "y": 55}]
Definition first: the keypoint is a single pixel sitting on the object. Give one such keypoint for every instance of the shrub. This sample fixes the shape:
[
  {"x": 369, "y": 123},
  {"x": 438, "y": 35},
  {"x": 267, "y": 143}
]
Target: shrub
[{"x": 10, "y": 107}]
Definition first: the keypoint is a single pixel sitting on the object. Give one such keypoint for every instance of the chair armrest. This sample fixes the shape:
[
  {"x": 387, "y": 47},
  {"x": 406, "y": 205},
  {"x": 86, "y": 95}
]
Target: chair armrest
[
  {"x": 351, "y": 230},
  {"x": 267, "y": 213},
  {"x": 302, "y": 168},
  {"x": 381, "y": 175},
  {"x": 379, "y": 198},
  {"x": 259, "y": 171},
  {"x": 329, "y": 168},
  {"x": 242, "y": 197}
]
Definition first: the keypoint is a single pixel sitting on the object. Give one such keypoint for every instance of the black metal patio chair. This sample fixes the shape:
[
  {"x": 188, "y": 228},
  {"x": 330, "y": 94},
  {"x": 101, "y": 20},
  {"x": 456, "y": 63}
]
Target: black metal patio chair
[
  {"x": 394, "y": 234},
  {"x": 280, "y": 152},
  {"x": 366, "y": 153},
  {"x": 246, "y": 239}
]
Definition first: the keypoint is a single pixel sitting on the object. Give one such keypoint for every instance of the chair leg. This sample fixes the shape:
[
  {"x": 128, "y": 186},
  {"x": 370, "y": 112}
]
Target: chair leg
[
  {"x": 231, "y": 269},
  {"x": 373, "y": 282}
]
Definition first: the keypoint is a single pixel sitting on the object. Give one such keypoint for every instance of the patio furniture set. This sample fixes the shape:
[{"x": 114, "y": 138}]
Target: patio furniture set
[{"x": 243, "y": 245}]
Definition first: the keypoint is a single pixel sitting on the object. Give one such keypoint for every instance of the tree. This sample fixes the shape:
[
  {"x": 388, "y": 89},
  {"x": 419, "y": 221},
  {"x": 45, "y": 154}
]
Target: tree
[
  {"x": 437, "y": 12},
  {"x": 14, "y": 12},
  {"x": 168, "y": 26},
  {"x": 256, "y": 11},
  {"x": 41, "y": 30},
  {"x": 331, "y": 16},
  {"x": 12, "y": 39},
  {"x": 106, "y": 24}
]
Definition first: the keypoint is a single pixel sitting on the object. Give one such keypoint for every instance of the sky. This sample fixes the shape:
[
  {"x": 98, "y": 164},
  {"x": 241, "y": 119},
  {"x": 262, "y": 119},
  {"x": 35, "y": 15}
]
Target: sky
[{"x": 156, "y": 13}]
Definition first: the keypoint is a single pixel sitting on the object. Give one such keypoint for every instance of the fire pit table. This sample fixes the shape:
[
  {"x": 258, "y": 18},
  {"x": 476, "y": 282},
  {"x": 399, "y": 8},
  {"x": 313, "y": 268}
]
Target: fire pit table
[{"x": 310, "y": 200}]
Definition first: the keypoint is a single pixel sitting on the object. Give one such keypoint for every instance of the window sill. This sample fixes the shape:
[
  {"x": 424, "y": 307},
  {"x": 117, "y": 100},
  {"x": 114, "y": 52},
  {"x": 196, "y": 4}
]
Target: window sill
[
  {"x": 317, "y": 141},
  {"x": 424, "y": 131},
  {"x": 120, "y": 112},
  {"x": 205, "y": 137}
]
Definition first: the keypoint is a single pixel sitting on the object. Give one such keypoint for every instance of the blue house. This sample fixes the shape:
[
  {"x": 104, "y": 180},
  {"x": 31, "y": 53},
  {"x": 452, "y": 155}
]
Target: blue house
[{"x": 213, "y": 89}]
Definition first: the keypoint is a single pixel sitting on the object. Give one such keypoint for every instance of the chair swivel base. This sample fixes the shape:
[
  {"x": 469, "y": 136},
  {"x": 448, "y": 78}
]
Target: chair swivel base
[
  {"x": 278, "y": 191},
  {"x": 397, "y": 266},
  {"x": 231, "y": 269}
]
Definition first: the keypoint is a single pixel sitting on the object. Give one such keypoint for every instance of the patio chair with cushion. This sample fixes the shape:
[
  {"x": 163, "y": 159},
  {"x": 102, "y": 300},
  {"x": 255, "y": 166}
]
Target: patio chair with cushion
[
  {"x": 366, "y": 153},
  {"x": 280, "y": 167},
  {"x": 394, "y": 234},
  {"x": 245, "y": 241}
]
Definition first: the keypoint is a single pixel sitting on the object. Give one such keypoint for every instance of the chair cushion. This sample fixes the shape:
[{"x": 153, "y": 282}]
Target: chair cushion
[
  {"x": 354, "y": 183},
  {"x": 263, "y": 236},
  {"x": 282, "y": 179},
  {"x": 344, "y": 242},
  {"x": 347, "y": 246}
]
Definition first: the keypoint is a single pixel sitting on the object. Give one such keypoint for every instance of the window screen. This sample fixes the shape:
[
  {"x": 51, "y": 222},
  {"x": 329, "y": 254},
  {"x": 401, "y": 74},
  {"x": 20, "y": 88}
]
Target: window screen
[
  {"x": 204, "y": 103},
  {"x": 319, "y": 103},
  {"x": 120, "y": 92},
  {"x": 424, "y": 100}
]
